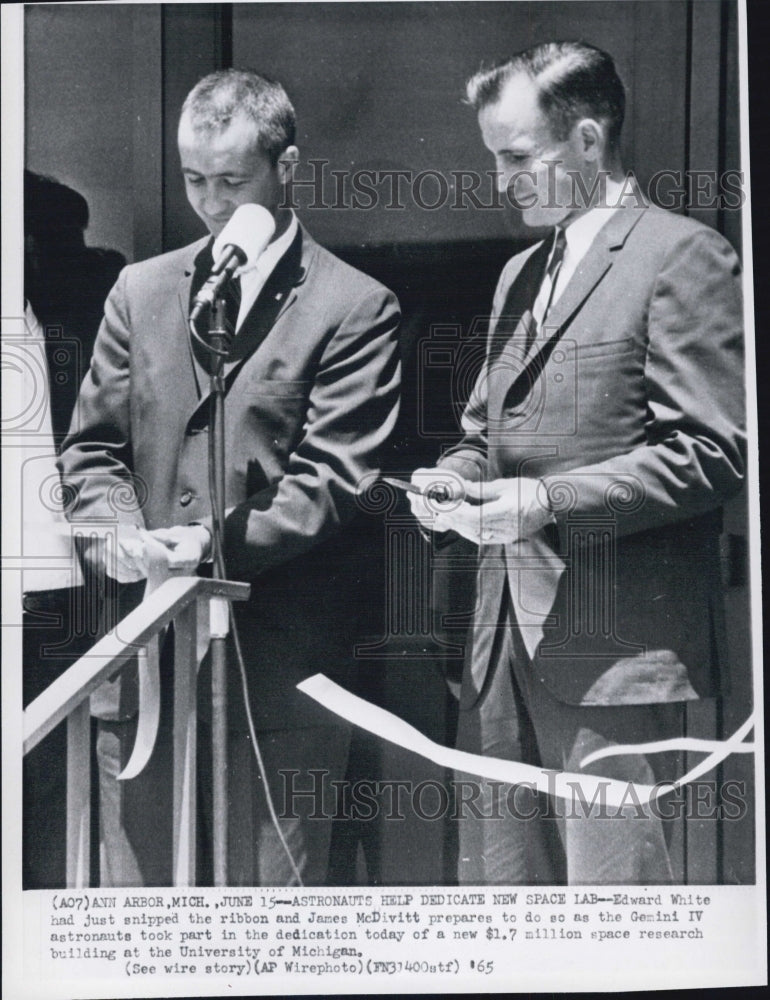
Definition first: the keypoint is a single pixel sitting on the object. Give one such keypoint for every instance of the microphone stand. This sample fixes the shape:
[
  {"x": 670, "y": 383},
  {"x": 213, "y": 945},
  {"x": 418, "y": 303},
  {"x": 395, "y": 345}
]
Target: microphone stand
[{"x": 219, "y": 340}]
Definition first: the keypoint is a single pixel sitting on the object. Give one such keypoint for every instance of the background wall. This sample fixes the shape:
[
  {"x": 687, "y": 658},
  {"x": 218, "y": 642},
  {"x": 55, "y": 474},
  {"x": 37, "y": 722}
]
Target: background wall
[
  {"x": 385, "y": 91},
  {"x": 378, "y": 90},
  {"x": 79, "y": 123}
]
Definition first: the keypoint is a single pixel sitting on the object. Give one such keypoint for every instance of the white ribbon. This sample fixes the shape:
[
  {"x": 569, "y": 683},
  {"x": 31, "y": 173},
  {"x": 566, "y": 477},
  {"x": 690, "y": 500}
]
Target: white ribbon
[{"x": 561, "y": 784}]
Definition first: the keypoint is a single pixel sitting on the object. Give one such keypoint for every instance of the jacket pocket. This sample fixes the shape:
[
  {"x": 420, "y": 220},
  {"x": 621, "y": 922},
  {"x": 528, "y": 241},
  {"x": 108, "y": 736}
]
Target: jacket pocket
[
  {"x": 602, "y": 349},
  {"x": 272, "y": 387}
]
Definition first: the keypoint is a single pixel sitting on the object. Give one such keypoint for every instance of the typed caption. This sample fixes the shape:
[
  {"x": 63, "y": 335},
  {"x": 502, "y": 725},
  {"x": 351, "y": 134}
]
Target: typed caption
[{"x": 253, "y": 941}]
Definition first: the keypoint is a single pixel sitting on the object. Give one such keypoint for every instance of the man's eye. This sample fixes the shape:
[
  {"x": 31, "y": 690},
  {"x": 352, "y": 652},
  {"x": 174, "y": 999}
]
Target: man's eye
[
  {"x": 234, "y": 184},
  {"x": 194, "y": 181}
]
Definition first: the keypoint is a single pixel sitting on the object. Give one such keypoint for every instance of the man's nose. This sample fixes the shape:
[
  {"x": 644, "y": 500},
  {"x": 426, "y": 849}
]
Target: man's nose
[
  {"x": 213, "y": 201},
  {"x": 520, "y": 187},
  {"x": 504, "y": 179}
]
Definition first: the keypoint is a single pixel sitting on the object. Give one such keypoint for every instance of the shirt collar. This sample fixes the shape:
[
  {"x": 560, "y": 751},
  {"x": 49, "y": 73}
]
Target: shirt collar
[{"x": 581, "y": 233}]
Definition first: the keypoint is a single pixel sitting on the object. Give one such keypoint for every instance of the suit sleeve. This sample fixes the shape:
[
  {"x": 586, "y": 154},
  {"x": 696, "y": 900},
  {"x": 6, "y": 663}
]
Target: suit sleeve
[
  {"x": 95, "y": 460},
  {"x": 352, "y": 410},
  {"x": 694, "y": 454}
]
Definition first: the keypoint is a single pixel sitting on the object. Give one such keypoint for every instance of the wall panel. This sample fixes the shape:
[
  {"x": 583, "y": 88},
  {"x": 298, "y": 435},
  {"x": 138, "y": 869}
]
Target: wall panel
[{"x": 79, "y": 125}]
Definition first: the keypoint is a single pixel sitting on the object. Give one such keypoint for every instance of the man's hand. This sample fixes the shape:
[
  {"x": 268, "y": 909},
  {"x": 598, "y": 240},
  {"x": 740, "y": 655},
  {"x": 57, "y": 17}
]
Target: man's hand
[
  {"x": 501, "y": 512},
  {"x": 442, "y": 491},
  {"x": 134, "y": 553},
  {"x": 180, "y": 549},
  {"x": 121, "y": 553}
]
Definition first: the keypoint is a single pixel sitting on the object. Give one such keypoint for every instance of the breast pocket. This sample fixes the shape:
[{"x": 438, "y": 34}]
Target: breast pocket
[
  {"x": 278, "y": 408},
  {"x": 606, "y": 365},
  {"x": 611, "y": 391},
  {"x": 603, "y": 349},
  {"x": 267, "y": 418},
  {"x": 273, "y": 388}
]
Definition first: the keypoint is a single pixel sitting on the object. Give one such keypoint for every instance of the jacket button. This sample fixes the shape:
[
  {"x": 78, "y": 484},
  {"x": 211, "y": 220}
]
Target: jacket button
[{"x": 185, "y": 498}]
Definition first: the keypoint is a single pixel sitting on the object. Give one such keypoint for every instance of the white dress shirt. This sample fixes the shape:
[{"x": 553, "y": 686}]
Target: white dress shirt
[{"x": 581, "y": 233}]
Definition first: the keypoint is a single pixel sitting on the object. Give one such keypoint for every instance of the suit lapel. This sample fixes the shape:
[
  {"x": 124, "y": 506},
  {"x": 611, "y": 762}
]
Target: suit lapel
[
  {"x": 515, "y": 319},
  {"x": 592, "y": 268},
  {"x": 201, "y": 260}
]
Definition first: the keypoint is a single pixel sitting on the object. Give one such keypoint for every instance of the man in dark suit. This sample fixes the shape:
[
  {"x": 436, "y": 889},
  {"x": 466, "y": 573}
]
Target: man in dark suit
[
  {"x": 601, "y": 439},
  {"x": 312, "y": 384}
]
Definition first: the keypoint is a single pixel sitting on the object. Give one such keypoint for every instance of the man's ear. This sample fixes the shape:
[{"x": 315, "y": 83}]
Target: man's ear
[
  {"x": 590, "y": 135},
  {"x": 286, "y": 163}
]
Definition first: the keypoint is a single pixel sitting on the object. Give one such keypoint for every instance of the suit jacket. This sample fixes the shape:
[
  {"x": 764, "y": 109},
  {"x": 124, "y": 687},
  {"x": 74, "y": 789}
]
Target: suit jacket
[
  {"x": 629, "y": 408},
  {"x": 312, "y": 387}
]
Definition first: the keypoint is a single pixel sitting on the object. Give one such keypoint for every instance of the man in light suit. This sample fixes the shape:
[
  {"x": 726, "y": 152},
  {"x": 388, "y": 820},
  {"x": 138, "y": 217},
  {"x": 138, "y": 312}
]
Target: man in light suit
[
  {"x": 312, "y": 388},
  {"x": 601, "y": 440}
]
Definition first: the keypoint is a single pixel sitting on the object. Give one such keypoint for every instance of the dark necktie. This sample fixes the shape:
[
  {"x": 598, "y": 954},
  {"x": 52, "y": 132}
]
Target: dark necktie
[
  {"x": 232, "y": 304},
  {"x": 545, "y": 294},
  {"x": 533, "y": 366}
]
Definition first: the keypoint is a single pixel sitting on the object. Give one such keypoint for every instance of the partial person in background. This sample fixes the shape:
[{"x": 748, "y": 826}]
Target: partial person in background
[
  {"x": 65, "y": 284},
  {"x": 602, "y": 438}
]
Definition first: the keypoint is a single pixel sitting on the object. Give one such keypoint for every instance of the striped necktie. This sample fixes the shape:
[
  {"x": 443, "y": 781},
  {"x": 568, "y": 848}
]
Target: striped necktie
[
  {"x": 545, "y": 294},
  {"x": 232, "y": 297}
]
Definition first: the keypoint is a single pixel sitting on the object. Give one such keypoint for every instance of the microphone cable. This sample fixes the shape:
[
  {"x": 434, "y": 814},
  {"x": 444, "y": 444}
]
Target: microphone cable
[{"x": 217, "y": 547}]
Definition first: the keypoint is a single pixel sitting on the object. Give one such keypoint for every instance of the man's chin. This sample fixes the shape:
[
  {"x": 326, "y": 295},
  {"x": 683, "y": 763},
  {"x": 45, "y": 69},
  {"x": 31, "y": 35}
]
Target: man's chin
[
  {"x": 215, "y": 227},
  {"x": 543, "y": 218}
]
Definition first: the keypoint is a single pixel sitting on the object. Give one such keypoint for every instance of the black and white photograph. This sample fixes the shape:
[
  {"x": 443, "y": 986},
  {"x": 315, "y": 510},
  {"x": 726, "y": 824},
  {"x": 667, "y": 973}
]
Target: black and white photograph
[{"x": 381, "y": 577}]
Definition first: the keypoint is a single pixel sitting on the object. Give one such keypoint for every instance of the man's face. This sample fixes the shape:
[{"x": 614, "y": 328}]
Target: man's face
[
  {"x": 226, "y": 168},
  {"x": 535, "y": 169}
]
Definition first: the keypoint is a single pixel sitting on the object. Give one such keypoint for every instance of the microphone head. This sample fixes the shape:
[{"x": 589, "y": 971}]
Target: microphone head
[{"x": 249, "y": 230}]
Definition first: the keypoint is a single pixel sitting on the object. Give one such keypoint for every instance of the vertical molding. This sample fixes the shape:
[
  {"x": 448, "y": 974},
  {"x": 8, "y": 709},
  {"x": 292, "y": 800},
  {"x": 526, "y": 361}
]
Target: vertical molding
[
  {"x": 737, "y": 842},
  {"x": 225, "y": 30},
  {"x": 79, "y": 797},
  {"x": 657, "y": 92},
  {"x": 195, "y": 38},
  {"x": 730, "y": 117},
  {"x": 705, "y": 105},
  {"x": 688, "y": 91},
  {"x": 147, "y": 97},
  {"x": 185, "y": 743},
  {"x": 702, "y": 145},
  {"x": 721, "y": 850}
]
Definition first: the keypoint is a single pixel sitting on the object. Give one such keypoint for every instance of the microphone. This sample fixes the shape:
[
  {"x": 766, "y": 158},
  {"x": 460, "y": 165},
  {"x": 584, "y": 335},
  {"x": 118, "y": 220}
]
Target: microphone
[{"x": 242, "y": 242}]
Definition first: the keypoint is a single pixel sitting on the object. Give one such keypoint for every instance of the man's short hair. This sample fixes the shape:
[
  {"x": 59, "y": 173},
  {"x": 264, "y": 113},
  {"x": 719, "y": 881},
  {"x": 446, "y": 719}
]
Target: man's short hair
[
  {"x": 574, "y": 81},
  {"x": 218, "y": 97}
]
